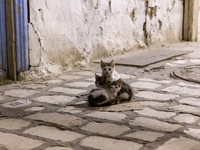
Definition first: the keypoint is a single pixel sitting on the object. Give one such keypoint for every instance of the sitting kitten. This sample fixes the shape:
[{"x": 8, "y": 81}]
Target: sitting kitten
[
  {"x": 105, "y": 96},
  {"x": 108, "y": 70},
  {"x": 125, "y": 93}
]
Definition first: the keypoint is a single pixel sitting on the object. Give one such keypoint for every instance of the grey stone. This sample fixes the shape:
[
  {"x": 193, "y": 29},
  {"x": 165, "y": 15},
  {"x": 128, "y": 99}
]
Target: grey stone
[
  {"x": 80, "y": 84},
  {"x": 102, "y": 143},
  {"x": 154, "y": 124},
  {"x": 154, "y": 104},
  {"x": 107, "y": 115},
  {"x": 186, "y": 108},
  {"x": 67, "y": 90},
  {"x": 69, "y": 77},
  {"x": 105, "y": 128},
  {"x": 53, "y": 81},
  {"x": 186, "y": 118},
  {"x": 13, "y": 124},
  {"x": 20, "y": 92},
  {"x": 55, "y": 99},
  {"x": 126, "y": 76},
  {"x": 146, "y": 85},
  {"x": 58, "y": 148},
  {"x": 65, "y": 120},
  {"x": 156, "y": 96},
  {"x": 181, "y": 143},
  {"x": 155, "y": 81},
  {"x": 183, "y": 90},
  {"x": 145, "y": 135},
  {"x": 193, "y": 132},
  {"x": 190, "y": 101},
  {"x": 16, "y": 142},
  {"x": 17, "y": 104},
  {"x": 189, "y": 85},
  {"x": 54, "y": 134},
  {"x": 70, "y": 109},
  {"x": 35, "y": 86},
  {"x": 34, "y": 109},
  {"x": 84, "y": 73},
  {"x": 155, "y": 113}
]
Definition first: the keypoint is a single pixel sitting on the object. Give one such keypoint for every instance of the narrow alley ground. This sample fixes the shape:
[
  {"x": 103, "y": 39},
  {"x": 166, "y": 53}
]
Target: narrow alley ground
[{"x": 53, "y": 113}]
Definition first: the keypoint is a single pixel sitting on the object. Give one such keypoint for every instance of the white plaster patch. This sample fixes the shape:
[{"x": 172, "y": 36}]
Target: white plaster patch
[
  {"x": 67, "y": 90},
  {"x": 156, "y": 81},
  {"x": 146, "y": 85},
  {"x": 55, "y": 99},
  {"x": 17, "y": 104},
  {"x": 186, "y": 118},
  {"x": 20, "y": 92},
  {"x": 145, "y": 135},
  {"x": 80, "y": 84},
  {"x": 156, "y": 96}
]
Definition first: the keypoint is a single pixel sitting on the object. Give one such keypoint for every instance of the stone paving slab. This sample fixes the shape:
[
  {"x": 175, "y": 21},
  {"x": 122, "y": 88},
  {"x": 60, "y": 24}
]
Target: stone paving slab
[
  {"x": 190, "y": 101},
  {"x": 186, "y": 118},
  {"x": 68, "y": 90},
  {"x": 186, "y": 109},
  {"x": 80, "y": 84},
  {"x": 54, "y": 134},
  {"x": 58, "y": 148},
  {"x": 17, "y": 104},
  {"x": 145, "y": 85},
  {"x": 193, "y": 132},
  {"x": 16, "y": 142},
  {"x": 102, "y": 143},
  {"x": 20, "y": 92}
]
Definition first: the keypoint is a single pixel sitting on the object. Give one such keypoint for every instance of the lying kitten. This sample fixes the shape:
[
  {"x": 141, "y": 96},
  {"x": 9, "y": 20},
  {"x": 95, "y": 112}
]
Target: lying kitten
[
  {"x": 108, "y": 70},
  {"x": 125, "y": 93},
  {"x": 105, "y": 96}
]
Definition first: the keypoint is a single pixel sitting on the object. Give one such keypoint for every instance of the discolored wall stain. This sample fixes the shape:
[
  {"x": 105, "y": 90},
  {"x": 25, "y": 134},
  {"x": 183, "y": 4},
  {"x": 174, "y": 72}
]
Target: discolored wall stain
[
  {"x": 151, "y": 11},
  {"x": 132, "y": 14}
]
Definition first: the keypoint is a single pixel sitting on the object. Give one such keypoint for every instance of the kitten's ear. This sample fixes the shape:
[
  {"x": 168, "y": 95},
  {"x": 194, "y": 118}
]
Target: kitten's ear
[
  {"x": 102, "y": 64},
  {"x": 119, "y": 81},
  {"x": 112, "y": 64},
  {"x": 96, "y": 76}
]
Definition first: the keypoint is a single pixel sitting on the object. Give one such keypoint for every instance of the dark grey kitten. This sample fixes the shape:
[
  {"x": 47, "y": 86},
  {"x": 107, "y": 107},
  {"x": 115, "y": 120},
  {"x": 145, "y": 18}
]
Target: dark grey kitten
[{"x": 105, "y": 96}]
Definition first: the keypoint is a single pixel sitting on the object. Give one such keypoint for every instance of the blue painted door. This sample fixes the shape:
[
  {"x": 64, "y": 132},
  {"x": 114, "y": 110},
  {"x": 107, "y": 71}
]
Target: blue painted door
[
  {"x": 3, "y": 50},
  {"x": 21, "y": 35}
]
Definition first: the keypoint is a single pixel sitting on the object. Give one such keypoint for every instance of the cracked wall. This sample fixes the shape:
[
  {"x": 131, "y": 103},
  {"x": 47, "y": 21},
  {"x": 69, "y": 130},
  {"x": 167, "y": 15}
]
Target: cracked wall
[{"x": 64, "y": 33}]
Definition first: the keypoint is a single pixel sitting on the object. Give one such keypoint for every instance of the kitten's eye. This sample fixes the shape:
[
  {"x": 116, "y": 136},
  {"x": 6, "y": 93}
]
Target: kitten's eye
[
  {"x": 109, "y": 69},
  {"x": 95, "y": 82},
  {"x": 116, "y": 87},
  {"x": 104, "y": 69}
]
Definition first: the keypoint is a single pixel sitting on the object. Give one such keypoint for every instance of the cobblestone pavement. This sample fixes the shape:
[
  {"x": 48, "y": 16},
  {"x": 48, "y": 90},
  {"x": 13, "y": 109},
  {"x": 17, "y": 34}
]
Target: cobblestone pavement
[{"x": 52, "y": 114}]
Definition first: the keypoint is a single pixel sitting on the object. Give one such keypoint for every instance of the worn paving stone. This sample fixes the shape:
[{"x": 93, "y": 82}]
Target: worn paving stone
[
  {"x": 182, "y": 90},
  {"x": 155, "y": 113},
  {"x": 13, "y": 124},
  {"x": 20, "y": 92},
  {"x": 17, "y": 104},
  {"x": 181, "y": 143},
  {"x": 146, "y": 85},
  {"x": 193, "y": 132},
  {"x": 70, "y": 109},
  {"x": 180, "y": 62},
  {"x": 126, "y": 76},
  {"x": 156, "y": 96},
  {"x": 55, "y": 99},
  {"x": 154, "y": 104},
  {"x": 189, "y": 85},
  {"x": 54, "y": 134},
  {"x": 105, "y": 128},
  {"x": 155, "y": 81},
  {"x": 84, "y": 73},
  {"x": 15, "y": 142},
  {"x": 67, "y": 90},
  {"x": 65, "y": 120},
  {"x": 80, "y": 84},
  {"x": 195, "y": 61},
  {"x": 58, "y": 148},
  {"x": 145, "y": 135},
  {"x": 186, "y": 118},
  {"x": 91, "y": 79},
  {"x": 102, "y": 143},
  {"x": 53, "y": 81},
  {"x": 185, "y": 108},
  {"x": 35, "y": 86},
  {"x": 107, "y": 115},
  {"x": 34, "y": 109},
  {"x": 191, "y": 101},
  {"x": 2, "y": 97},
  {"x": 69, "y": 77},
  {"x": 154, "y": 124}
]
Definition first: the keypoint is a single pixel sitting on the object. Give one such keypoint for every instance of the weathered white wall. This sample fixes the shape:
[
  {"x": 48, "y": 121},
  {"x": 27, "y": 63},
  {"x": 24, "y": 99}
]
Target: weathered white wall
[{"x": 63, "y": 33}]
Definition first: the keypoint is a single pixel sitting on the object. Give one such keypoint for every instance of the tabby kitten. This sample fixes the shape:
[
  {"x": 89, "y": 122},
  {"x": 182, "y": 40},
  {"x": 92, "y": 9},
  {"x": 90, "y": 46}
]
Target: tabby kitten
[
  {"x": 105, "y": 96},
  {"x": 108, "y": 70}
]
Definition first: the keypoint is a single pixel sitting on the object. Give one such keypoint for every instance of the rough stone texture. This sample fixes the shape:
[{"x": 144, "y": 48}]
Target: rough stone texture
[
  {"x": 69, "y": 77},
  {"x": 190, "y": 101},
  {"x": 80, "y": 84},
  {"x": 183, "y": 90},
  {"x": 154, "y": 104},
  {"x": 20, "y": 92},
  {"x": 70, "y": 109},
  {"x": 13, "y": 124},
  {"x": 12, "y": 141},
  {"x": 34, "y": 109},
  {"x": 189, "y": 85},
  {"x": 193, "y": 132},
  {"x": 67, "y": 90},
  {"x": 65, "y": 120},
  {"x": 154, "y": 124},
  {"x": 109, "y": 144},
  {"x": 125, "y": 76},
  {"x": 107, "y": 115},
  {"x": 186, "y": 118},
  {"x": 52, "y": 81},
  {"x": 55, "y": 99},
  {"x": 35, "y": 86},
  {"x": 156, "y": 96},
  {"x": 58, "y": 148},
  {"x": 105, "y": 128},
  {"x": 154, "y": 113},
  {"x": 53, "y": 133},
  {"x": 155, "y": 81},
  {"x": 145, "y": 135},
  {"x": 17, "y": 104},
  {"x": 147, "y": 85},
  {"x": 180, "y": 144},
  {"x": 186, "y": 108}
]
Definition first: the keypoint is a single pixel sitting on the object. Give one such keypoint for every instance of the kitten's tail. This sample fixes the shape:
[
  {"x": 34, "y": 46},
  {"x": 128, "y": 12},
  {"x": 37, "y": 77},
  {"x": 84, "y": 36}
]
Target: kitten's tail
[{"x": 101, "y": 100}]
